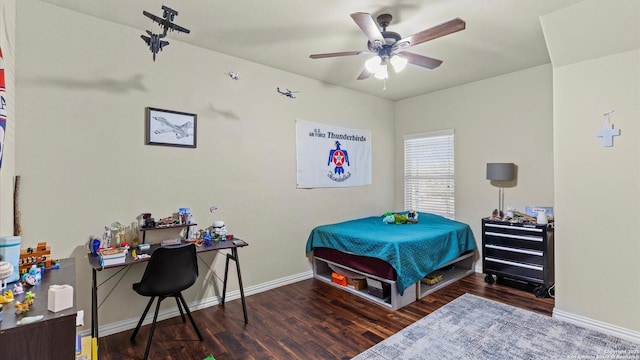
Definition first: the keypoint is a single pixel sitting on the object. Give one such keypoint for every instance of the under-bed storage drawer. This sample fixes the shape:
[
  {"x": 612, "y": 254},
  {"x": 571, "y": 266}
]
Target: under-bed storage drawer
[{"x": 389, "y": 296}]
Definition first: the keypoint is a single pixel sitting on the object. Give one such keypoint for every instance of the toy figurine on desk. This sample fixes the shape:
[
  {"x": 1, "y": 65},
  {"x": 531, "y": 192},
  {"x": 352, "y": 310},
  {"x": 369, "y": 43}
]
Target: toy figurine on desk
[
  {"x": 33, "y": 277},
  {"x": 17, "y": 288},
  {"x": 7, "y": 297}
]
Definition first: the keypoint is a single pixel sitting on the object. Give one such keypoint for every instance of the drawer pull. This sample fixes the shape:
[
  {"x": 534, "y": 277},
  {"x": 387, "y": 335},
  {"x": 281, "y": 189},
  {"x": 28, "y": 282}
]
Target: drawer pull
[
  {"x": 514, "y": 227},
  {"x": 539, "y": 268},
  {"x": 510, "y": 236},
  {"x": 521, "y": 251}
]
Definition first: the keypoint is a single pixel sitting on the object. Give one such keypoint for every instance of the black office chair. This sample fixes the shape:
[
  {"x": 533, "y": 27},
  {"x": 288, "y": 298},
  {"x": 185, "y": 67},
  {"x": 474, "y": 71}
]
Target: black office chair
[{"x": 171, "y": 269}]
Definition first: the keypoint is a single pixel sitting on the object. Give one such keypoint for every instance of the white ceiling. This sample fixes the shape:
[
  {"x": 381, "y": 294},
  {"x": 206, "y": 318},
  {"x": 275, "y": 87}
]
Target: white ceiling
[{"x": 501, "y": 36}]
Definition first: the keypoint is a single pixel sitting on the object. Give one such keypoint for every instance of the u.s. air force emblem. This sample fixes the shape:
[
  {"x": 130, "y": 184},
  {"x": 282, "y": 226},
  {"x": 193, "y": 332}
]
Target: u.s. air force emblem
[{"x": 338, "y": 157}]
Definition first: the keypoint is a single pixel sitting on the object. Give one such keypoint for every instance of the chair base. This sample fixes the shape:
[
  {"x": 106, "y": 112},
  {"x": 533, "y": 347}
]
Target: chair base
[{"x": 180, "y": 301}]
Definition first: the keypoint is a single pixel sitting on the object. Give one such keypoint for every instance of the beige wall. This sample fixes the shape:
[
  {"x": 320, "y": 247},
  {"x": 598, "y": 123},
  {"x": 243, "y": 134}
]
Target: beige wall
[
  {"x": 83, "y": 87},
  {"x": 597, "y": 188},
  {"x": 503, "y": 119},
  {"x": 83, "y": 84}
]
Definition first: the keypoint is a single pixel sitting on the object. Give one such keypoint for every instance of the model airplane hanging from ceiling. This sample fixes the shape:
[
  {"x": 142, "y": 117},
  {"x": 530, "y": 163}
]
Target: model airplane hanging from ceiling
[
  {"x": 155, "y": 41},
  {"x": 288, "y": 93}
]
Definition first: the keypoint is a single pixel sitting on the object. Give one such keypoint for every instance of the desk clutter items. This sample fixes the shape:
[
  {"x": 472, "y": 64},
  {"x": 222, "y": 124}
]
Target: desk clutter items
[
  {"x": 6, "y": 270},
  {"x": 33, "y": 276},
  {"x": 6, "y": 297},
  {"x": 112, "y": 256},
  {"x": 532, "y": 215},
  {"x": 39, "y": 256},
  {"x": 168, "y": 242},
  {"x": 10, "y": 252},
  {"x": 59, "y": 297},
  {"x": 25, "y": 305},
  {"x": 182, "y": 217}
]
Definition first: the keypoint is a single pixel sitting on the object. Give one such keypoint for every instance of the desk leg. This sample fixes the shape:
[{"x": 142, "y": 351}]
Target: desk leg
[
  {"x": 244, "y": 304},
  {"x": 224, "y": 282},
  {"x": 234, "y": 256},
  {"x": 94, "y": 313}
]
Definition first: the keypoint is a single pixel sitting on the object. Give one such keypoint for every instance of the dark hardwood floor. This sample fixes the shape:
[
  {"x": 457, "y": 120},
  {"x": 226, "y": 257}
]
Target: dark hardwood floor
[{"x": 305, "y": 320}]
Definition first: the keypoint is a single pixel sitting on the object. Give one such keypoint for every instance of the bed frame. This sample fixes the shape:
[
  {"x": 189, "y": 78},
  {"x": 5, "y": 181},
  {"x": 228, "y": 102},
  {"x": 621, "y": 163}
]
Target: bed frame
[{"x": 451, "y": 272}]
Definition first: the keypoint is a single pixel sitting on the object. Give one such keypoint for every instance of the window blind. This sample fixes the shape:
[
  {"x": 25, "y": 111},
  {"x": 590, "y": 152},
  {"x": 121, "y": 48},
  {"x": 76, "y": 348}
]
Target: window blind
[{"x": 429, "y": 173}]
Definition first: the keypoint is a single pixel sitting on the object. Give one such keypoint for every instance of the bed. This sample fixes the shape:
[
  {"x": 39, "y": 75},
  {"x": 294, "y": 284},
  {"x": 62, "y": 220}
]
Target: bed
[{"x": 404, "y": 253}]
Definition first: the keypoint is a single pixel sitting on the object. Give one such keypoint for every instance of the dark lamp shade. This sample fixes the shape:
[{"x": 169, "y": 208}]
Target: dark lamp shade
[{"x": 500, "y": 171}]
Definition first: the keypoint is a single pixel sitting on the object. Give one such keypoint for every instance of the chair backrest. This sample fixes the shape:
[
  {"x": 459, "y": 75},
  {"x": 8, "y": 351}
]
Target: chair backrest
[{"x": 170, "y": 270}]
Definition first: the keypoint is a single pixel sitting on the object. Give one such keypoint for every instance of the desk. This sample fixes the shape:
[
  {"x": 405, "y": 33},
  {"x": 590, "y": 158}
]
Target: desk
[
  {"x": 53, "y": 337},
  {"x": 94, "y": 261}
]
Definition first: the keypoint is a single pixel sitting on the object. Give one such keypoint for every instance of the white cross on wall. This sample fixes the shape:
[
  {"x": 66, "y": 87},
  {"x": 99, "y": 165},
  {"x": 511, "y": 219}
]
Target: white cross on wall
[{"x": 607, "y": 133}]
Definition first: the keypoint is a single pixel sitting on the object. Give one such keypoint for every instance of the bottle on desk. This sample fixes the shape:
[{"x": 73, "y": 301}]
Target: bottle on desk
[{"x": 542, "y": 217}]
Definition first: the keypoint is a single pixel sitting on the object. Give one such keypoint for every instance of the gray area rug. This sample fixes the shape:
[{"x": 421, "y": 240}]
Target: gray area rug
[{"x": 471, "y": 327}]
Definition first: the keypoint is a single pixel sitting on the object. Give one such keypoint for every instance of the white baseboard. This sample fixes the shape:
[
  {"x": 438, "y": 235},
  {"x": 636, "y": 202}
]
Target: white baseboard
[
  {"x": 588, "y": 323},
  {"x": 128, "y": 324},
  {"x": 600, "y": 326}
]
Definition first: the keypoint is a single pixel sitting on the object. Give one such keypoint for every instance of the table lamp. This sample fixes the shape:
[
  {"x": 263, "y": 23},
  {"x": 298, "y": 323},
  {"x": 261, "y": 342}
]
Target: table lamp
[{"x": 500, "y": 172}]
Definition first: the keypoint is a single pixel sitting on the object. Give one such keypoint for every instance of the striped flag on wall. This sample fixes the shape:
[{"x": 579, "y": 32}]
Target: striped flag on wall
[{"x": 3, "y": 106}]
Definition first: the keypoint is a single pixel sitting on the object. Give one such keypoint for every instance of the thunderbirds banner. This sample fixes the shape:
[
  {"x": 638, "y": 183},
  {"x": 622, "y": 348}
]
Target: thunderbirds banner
[
  {"x": 3, "y": 107},
  {"x": 330, "y": 156}
]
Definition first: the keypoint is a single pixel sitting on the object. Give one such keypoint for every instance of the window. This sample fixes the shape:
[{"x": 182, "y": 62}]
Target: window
[{"x": 429, "y": 173}]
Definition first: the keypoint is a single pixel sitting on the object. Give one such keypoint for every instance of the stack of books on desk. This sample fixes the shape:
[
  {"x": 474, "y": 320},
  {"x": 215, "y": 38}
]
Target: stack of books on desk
[{"x": 112, "y": 257}]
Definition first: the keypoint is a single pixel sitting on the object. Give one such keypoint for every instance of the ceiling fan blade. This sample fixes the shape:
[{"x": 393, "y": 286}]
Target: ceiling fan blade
[
  {"x": 344, "y": 53},
  {"x": 365, "y": 74},
  {"x": 415, "y": 59},
  {"x": 435, "y": 32},
  {"x": 368, "y": 27}
]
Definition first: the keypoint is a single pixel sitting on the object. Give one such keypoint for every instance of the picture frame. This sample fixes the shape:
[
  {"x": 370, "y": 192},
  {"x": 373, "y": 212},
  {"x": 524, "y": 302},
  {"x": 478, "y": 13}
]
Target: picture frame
[{"x": 170, "y": 128}]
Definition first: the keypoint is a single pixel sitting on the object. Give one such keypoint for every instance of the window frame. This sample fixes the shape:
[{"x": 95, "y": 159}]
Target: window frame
[{"x": 440, "y": 172}]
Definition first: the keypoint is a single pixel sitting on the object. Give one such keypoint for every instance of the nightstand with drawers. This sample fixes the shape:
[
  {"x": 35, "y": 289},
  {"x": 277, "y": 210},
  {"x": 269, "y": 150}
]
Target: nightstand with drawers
[{"x": 518, "y": 251}]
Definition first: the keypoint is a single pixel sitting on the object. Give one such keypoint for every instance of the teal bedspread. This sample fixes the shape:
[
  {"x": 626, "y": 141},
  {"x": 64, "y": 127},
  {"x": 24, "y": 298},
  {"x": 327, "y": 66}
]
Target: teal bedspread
[{"x": 414, "y": 250}]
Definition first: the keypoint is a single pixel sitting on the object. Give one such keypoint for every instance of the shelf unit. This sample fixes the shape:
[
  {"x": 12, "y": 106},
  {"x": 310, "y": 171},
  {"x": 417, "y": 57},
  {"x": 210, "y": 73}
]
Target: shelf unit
[
  {"x": 395, "y": 301},
  {"x": 452, "y": 271},
  {"x": 144, "y": 230},
  {"x": 520, "y": 252}
]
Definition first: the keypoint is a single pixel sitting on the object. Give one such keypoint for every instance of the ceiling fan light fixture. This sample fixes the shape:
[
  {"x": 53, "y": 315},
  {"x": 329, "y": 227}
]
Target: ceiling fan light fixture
[
  {"x": 382, "y": 73},
  {"x": 373, "y": 64},
  {"x": 398, "y": 62}
]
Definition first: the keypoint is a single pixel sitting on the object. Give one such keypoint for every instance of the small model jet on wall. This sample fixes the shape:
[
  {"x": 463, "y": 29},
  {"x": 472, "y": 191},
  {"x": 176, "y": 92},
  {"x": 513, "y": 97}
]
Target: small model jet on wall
[
  {"x": 155, "y": 41},
  {"x": 288, "y": 93}
]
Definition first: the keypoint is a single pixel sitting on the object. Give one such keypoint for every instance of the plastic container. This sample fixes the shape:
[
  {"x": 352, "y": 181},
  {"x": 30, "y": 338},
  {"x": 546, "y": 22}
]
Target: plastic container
[{"x": 10, "y": 252}]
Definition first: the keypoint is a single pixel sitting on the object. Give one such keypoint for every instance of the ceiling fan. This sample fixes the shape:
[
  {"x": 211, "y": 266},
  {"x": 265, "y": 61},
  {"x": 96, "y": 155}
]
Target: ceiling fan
[{"x": 389, "y": 47}]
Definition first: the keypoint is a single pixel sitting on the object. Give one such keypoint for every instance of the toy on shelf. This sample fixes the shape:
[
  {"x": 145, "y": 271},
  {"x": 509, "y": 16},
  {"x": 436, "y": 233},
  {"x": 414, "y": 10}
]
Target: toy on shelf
[
  {"x": 6, "y": 270},
  {"x": 17, "y": 288},
  {"x": 432, "y": 279},
  {"x": 7, "y": 297},
  {"x": 40, "y": 255},
  {"x": 24, "y": 306},
  {"x": 33, "y": 277},
  {"x": 21, "y": 307},
  {"x": 29, "y": 297}
]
